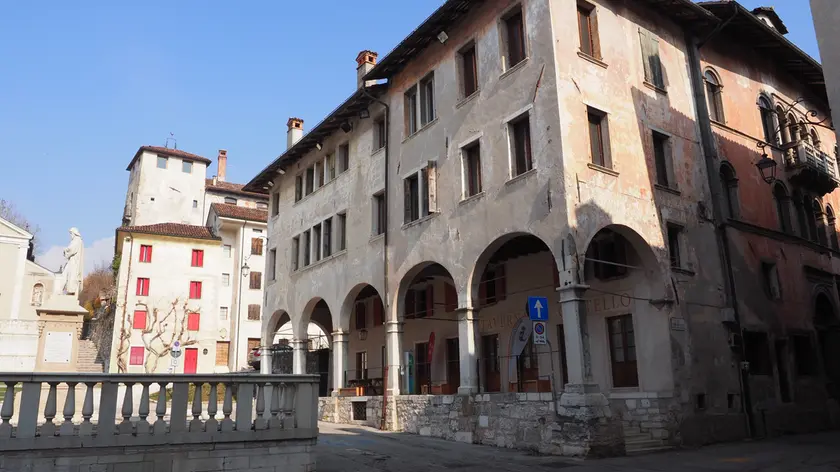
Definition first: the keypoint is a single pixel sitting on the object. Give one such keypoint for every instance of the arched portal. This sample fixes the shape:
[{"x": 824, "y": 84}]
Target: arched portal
[
  {"x": 626, "y": 306},
  {"x": 509, "y": 271},
  {"x": 359, "y": 358},
  {"x": 827, "y": 326}
]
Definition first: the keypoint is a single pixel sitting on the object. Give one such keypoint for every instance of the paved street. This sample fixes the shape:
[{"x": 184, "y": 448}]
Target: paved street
[{"x": 357, "y": 449}]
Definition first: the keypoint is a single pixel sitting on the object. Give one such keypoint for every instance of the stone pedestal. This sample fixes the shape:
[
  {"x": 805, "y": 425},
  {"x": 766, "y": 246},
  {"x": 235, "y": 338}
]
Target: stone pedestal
[
  {"x": 467, "y": 352},
  {"x": 587, "y": 426},
  {"x": 340, "y": 353},
  {"x": 300, "y": 348},
  {"x": 59, "y": 329}
]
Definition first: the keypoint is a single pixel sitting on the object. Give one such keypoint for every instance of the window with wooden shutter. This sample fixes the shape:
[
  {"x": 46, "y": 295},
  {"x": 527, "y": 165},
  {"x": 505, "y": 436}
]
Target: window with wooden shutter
[
  {"x": 145, "y": 253},
  {"x": 411, "y": 209},
  {"x": 256, "y": 246},
  {"x": 378, "y": 312},
  {"x": 253, "y": 343},
  {"x": 361, "y": 316},
  {"x": 139, "y": 321},
  {"x": 143, "y": 287},
  {"x": 430, "y": 300},
  {"x": 222, "y": 352},
  {"x": 588, "y": 29},
  {"x": 253, "y": 312},
  {"x": 195, "y": 290},
  {"x": 623, "y": 351},
  {"x": 515, "y": 38},
  {"x": 197, "y": 258},
  {"x": 651, "y": 59},
  {"x": 137, "y": 355},
  {"x": 469, "y": 71},
  {"x": 193, "y": 321},
  {"x": 256, "y": 280},
  {"x": 450, "y": 298}
]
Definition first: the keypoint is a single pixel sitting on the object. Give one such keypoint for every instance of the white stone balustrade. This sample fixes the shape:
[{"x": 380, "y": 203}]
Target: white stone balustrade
[{"x": 253, "y": 407}]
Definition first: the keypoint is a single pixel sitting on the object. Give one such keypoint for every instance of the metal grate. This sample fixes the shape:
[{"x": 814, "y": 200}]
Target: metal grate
[{"x": 359, "y": 411}]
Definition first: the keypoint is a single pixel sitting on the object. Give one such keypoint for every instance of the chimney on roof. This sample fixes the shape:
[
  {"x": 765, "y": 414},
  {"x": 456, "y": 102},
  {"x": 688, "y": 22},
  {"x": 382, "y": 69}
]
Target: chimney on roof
[
  {"x": 365, "y": 62},
  {"x": 222, "y": 164},
  {"x": 295, "y": 131}
]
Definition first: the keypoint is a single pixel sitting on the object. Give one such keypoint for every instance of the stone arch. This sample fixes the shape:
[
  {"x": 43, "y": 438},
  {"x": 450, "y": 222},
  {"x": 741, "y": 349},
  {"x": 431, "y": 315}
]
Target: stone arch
[
  {"x": 277, "y": 320},
  {"x": 422, "y": 270},
  {"x": 345, "y": 313},
  {"x": 316, "y": 311}
]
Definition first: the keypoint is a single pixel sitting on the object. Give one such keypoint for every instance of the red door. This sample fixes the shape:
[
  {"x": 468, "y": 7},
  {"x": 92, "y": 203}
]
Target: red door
[{"x": 190, "y": 360}]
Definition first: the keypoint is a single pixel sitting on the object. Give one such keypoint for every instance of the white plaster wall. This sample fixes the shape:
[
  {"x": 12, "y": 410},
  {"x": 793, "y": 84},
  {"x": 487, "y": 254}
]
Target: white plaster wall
[{"x": 173, "y": 190}]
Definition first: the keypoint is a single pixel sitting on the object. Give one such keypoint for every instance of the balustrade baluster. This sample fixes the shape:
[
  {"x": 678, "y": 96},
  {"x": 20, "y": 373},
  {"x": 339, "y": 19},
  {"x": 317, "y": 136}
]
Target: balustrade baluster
[
  {"x": 160, "y": 409},
  {"x": 227, "y": 408},
  {"x": 277, "y": 391},
  {"x": 67, "y": 428},
  {"x": 125, "y": 426},
  {"x": 289, "y": 405},
  {"x": 143, "y": 426},
  {"x": 86, "y": 428},
  {"x": 8, "y": 411},
  {"x": 212, "y": 424},
  {"x": 260, "y": 422},
  {"x": 196, "y": 424},
  {"x": 48, "y": 428}
]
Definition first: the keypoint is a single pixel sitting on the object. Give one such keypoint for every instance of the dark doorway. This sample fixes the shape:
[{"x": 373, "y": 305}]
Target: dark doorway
[
  {"x": 422, "y": 367},
  {"x": 623, "y": 351},
  {"x": 828, "y": 334},
  {"x": 453, "y": 366},
  {"x": 782, "y": 366},
  {"x": 490, "y": 363}
]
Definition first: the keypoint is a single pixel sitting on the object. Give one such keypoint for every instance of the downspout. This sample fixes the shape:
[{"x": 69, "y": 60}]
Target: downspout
[
  {"x": 710, "y": 156},
  {"x": 239, "y": 298},
  {"x": 125, "y": 299},
  {"x": 385, "y": 241}
]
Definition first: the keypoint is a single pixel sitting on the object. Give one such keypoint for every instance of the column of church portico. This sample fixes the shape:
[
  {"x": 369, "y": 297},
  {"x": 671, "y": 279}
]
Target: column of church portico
[
  {"x": 339, "y": 365},
  {"x": 393, "y": 350},
  {"x": 299, "y": 350},
  {"x": 468, "y": 355},
  {"x": 265, "y": 361}
]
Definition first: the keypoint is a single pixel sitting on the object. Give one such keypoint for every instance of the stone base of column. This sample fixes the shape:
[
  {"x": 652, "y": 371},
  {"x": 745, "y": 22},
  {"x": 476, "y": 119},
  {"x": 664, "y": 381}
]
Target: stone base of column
[
  {"x": 467, "y": 390},
  {"x": 587, "y": 426}
]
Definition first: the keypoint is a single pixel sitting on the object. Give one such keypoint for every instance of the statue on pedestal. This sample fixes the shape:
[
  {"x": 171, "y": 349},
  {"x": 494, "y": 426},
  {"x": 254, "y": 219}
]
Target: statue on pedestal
[{"x": 73, "y": 269}]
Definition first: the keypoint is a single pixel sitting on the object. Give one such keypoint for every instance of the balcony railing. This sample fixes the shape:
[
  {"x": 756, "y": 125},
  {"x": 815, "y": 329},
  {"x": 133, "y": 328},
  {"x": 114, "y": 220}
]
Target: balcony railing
[
  {"x": 113, "y": 410},
  {"x": 812, "y": 168}
]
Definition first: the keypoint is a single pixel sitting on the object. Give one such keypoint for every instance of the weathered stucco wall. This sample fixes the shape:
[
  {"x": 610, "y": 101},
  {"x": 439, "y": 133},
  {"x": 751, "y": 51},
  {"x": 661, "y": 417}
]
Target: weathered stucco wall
[{"x": 172, "y": 189}]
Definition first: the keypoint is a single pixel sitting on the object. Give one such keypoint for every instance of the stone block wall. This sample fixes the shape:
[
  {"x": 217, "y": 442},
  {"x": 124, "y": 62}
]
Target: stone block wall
[
  {"x": 658, "y": 416},
  {"x": 340, "y": 410},
  {"x": 255, "y": 456}
]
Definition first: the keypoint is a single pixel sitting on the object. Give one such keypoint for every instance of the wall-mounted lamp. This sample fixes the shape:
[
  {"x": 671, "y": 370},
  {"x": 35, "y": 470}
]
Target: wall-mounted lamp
[
  {"x": 442, "y": 37},
  {"x": 245, "y": 270},
  {"x": 318, "y": 146},
  {"x": 346, "y": 127},
  {"x": 270, "y": 183},
  {"x": 363, "y": 334},
  {"x": 364, "y": 113},
  {"x": 766, "y": 166}
]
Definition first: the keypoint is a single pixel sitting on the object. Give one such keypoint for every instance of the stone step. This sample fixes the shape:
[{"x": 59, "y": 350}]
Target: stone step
[
  {"x": 647, "y": 450},
  {"x": 644, "y": 443}
]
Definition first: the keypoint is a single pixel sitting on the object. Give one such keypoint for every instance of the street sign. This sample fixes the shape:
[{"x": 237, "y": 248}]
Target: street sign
[
  {"x": 538, "y": 308},
  {"x": 539, "y": 333}
]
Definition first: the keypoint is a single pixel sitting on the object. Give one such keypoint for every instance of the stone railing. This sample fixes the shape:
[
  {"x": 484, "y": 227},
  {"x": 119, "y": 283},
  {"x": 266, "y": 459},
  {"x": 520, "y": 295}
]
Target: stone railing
[
  {"x": 805, "y": 153},
  {"x": 100, "y": 410}
]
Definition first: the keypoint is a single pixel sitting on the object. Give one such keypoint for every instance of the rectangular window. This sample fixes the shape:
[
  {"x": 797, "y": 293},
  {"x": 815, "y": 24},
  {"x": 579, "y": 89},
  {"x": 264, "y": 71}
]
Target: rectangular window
[
  {"x": 379, "y": 213},
  {"x": 298, "y": 187},
  {"x": 472, "y": 169},
  {"x": 493, "y": 285},
  {"x": 310, "y": 180},
  {"x": 143, "y": 287},
  {"x": 515, "y": 38},
  {"x": 193, "y": 321},
  {"x": 341, "y": 237},
  {"x": 318, "y": 170},
  {"x": 674, "y": 250},
  {"x": 326, "y": 238},
  {"x": 361, "y": 315},
  {"x": 598, "y": 141},
  {"x": 411, "y": 200},
  {"x": 197, "y": 258},
  {"x": 195, "y": 203},
  {"x": 343, "y": 157},
  {"x": 662, "y": 160},
  {"x": 606, "y": 247},
  {"x": 588, "y": 28},
  {"x": 262, "y": 206},
  {"x": 195, "y": 290},
  {"x": 137, "y": 355},
  {"x": 427, "y": 99},
  {"x": 139, "y": 321},
  {"x": 307, "y": 248},
  {"x": 222, "y": 353},
  {"x": 256, "y": 246},
  {"x": 275, "y": 203},
  {"x": 187, "y": 166},
  {"x": 650, "y": 58},
  {"x": 145, "y": 253},
  {"x": 316, "y": 242},
  {"x": 253, "y": 343},
  {"x": 757, "y": 350},
  {"x": 161, "y": 162},
  {"x": 230, "y": 200},
  {"x": 361, "y": 366},
  {"x": 520, "y": 145},
  {"x": 772, "y": 287},
  {"x": 469, "y": 71},
  {"x": 410, "y": 109},
  {"x": 226, "y": 250},
  {"x": 255, "y": 280},
  {"x": 329, "y": 167},
  {"x": 295, "y": 253},
  {"x": 379, "y": 133},
  {"x": 272, "y": 264},
  {"x": 253, "y": 312},
  {"x": 805, "y": 357},
  {"x": 225, "y": 280},
  {"x": 223, "y": 313},
  {"x": 623, "y": 351}
]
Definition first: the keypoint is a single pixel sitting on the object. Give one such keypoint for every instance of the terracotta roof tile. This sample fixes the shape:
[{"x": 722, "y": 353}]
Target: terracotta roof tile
[
  {"x": 177, "y": 230},
  {"x": 230, "y": 187},
  {"x": 168, "y": 152},
  {"x": 239, "y": 212}
]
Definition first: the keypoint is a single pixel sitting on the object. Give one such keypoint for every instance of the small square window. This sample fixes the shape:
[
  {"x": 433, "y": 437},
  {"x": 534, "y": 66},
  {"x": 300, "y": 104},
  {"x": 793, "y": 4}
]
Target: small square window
[
  {"x": 142, "y": 287},
  {"x": 137, "y": 355},
  {"x": 145, "y": 253},
  {"x": 253, "y": 312},
  {"x": 225, "y": 280},
  {"x": 255, "y": 280},
  {"x": 230, "y": 200},
  {"x": 195, "y": 290},
  {"x": 257, "y": 246},
  {"x": 187, "y": 166},
  {"x": 195, "y": 203},
  {"x": 197, "y": 258},
  {"x": 139, "y": 320},
  {"x": 161, "y": 162},
  {"x": 223, "y": 313},
  {"x": 598, "y": 138},
  {"x": 226, "y": 249}
]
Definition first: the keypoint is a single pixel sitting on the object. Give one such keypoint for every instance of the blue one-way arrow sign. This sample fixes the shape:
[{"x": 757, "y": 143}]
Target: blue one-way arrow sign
[{"x": 538, "y": 308}]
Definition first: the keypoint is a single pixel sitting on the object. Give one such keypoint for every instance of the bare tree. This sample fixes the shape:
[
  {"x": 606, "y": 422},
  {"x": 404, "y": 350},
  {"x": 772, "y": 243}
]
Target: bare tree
[
  {"x": 98, "y": 287},
  {"x": 9, "y": 212},
  {"x": 163, "y": 329}
]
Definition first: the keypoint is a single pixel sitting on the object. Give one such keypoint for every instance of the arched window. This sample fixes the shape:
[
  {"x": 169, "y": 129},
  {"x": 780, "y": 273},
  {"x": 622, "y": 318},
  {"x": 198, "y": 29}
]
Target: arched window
[
  {"x": 832, "y": 228},
  {"x": 793, "y": 128},
  {"x": 819, "y": 218},
  {"x": 729, "y": 182},
  {"x": 801, "y": 219},
  {"x": 37, "y": 294},
  {"x": 767, "y": 121},
  {"x": 783, "y": 135},
  {"x": 803, "y": 132},
  {"x": 714, "y": 96},
  {"x": 782, "y": 199},
  {"x": 815, "y": 138},
  {"x": 811, "y": 217}
]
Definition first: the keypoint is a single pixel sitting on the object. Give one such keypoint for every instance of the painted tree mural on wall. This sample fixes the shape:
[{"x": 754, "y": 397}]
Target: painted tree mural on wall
[{"x": 161, "y": 329}]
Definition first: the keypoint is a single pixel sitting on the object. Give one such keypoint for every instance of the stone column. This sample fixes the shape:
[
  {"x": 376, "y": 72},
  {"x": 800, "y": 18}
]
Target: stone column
[
  {"x": 393, "y": 349},
  {"x": 468, "y": 354},
  {"x": 588, "y": 427},
  {"x": 339, "y": 361},
  {"x": 299, "y": 347},
  {"x": 265, "y": 360}
]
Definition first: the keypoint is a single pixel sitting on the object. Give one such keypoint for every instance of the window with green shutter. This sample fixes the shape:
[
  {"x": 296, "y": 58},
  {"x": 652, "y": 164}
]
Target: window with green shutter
[{"x": 650, "y": 58}]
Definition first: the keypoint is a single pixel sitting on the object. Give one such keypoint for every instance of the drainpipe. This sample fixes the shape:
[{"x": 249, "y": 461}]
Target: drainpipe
[
  {"x": 385, "y": 241},
  {"x": 710, "y": 154},
  {"x": 238, "y": 298}
]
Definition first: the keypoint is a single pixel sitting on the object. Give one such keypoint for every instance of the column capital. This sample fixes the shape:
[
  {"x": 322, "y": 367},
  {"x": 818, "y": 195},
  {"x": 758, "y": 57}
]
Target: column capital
[
  {"x": 571, "y": 292},
  {"x": 394, "y": 326},
  {"x": 340, "y": 337},
  {"x": 466, "y": 313},
  {"x": 299, "y": 343}
]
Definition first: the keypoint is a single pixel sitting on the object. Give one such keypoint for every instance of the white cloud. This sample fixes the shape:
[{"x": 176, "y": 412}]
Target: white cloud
[{"x": 99, "y": 252}]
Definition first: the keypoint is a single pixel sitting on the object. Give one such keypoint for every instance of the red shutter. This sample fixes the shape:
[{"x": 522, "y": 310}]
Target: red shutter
[
  {"x": 193, "y": 321},
  {"x": 195, "y": 290},
  {"x": 430, "y": 300},
  {"x": 139, "y": 286},
  {"x": 410, "y": 305},
  {"x": 145, "y": 253},
  {"x": 501, "y": 283},
  {"x": 201, "y": 258},
  {"x": 136, "y": 356},
  {"x": 451, "y": 298},
  {"x": 142, "y": 287},
  {"x": 139, "y": 321},
  {"x": 377, "y": 312}
]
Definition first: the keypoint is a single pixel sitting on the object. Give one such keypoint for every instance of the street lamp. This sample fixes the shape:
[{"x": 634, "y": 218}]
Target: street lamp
[
  {"x": 767, "y": 168},
  {"x": 363, "y": 334},
  {"x": 245, "y": 270}
]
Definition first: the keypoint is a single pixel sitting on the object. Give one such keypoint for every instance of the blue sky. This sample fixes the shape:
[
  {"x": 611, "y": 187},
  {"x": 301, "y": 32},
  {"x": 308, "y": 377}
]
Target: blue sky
[{"x": 84, "y": 84}]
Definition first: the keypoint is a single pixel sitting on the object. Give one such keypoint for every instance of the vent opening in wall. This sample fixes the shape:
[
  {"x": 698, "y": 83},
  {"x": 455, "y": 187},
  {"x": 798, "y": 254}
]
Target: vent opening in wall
[
  {"x": 359, "y": 411},
  {"x": 700, "y": 401}
]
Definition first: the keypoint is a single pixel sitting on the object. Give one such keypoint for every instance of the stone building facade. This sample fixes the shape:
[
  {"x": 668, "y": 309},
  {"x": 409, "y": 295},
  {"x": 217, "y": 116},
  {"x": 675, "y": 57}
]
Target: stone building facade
[{"x": 491, "y": 157}]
